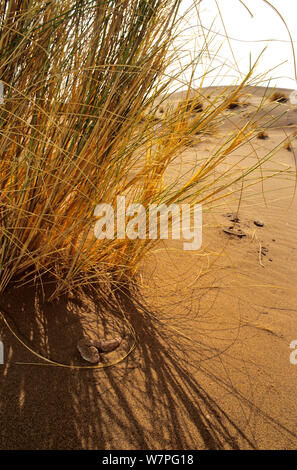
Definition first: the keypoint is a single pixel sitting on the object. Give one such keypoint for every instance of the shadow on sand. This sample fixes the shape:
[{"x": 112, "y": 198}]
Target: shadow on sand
[{"x": 151, "y": 400}]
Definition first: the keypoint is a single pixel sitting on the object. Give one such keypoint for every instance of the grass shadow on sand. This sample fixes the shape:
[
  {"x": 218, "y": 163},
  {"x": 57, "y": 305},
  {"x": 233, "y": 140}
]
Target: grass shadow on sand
[{"x": 151, "y": 400}]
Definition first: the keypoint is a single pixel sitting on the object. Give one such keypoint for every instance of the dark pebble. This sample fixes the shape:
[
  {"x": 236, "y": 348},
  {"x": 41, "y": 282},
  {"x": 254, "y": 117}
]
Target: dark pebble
[{"x": 258, "y": 223}]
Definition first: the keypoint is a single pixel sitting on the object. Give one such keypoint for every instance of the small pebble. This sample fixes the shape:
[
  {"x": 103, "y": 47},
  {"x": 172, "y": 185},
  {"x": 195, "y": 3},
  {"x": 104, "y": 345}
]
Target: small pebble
[
  {"x": 258, "y": 223},
  {"x": 234, "y": 231},
  {"x": 233, "y": 217}
]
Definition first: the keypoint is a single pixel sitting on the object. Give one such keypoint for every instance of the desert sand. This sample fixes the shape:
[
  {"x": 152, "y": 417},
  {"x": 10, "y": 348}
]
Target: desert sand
[{"x": 211, "y": 366}]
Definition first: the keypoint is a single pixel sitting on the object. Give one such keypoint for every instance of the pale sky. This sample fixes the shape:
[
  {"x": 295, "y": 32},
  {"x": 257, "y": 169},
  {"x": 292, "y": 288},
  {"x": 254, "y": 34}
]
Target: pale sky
[{"x": 244, "y": 32}]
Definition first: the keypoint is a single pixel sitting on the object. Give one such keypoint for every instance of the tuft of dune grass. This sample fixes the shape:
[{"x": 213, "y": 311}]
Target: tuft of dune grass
[
  {"x": 194, "y": 105},
  {"x": 234, "y": 104},
  {"x": 288, "y": 145},
  {"x": 78, "y": 77},
  {"x": 279, "y": 97},
  {"x": 262, "y": 135},
  {"x": 79, "y": 126}
]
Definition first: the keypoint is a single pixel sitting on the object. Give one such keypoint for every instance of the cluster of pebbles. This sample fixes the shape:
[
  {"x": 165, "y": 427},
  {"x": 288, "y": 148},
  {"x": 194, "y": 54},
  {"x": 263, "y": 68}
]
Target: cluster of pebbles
[{"x": 90, "y": 349}]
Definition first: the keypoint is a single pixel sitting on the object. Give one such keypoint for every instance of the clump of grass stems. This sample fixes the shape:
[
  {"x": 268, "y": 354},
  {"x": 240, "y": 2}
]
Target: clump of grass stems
[
  {"x": 77, "y": 77},
  {"x": 77, "y": 128}
]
